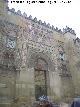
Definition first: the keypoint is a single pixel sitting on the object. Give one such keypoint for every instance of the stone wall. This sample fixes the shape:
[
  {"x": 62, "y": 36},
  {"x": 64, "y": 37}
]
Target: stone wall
[{"x": 23, "y": 40}]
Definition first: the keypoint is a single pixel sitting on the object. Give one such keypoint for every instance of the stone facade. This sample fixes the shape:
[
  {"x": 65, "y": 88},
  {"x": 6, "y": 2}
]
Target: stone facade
[{"x": 36, "y": 59}]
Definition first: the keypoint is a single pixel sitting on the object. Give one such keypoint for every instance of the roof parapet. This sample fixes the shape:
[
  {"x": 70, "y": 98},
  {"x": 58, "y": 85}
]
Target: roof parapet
[
  {"x": 40, "y": 22},
  {"x": 77, "y": 39},
  {"x": 48, "y": 25},
  {"x": 68, "y": 29},
  {"x": 44, "y": 23},
  {"x": 52, "y": 27},
  {"x": 19, "y": 13},
  {"x": 24, "y": 15},
  {"x": 35, "y": 20},
  {"x": 12, "y": 10},
  {"x": 30, "y": 17}
]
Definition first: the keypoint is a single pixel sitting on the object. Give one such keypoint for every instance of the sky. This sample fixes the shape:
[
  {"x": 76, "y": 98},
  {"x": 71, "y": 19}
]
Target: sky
[{"x": 59, "y": 13}]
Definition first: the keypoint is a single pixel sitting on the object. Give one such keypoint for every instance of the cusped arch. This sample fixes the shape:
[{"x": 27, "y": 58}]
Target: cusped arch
[
  {"x": 41, "y": 64},
  {"x": 35, "y": 56}
]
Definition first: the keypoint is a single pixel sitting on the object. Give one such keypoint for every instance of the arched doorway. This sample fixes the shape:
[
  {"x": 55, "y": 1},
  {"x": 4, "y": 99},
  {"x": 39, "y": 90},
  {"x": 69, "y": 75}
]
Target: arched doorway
[{"x": 40, "y": 79}]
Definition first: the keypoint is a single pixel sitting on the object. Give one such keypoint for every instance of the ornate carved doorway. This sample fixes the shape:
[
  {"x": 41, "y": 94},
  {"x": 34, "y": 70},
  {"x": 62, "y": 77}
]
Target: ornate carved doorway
[{"x": 40, "y": 78}]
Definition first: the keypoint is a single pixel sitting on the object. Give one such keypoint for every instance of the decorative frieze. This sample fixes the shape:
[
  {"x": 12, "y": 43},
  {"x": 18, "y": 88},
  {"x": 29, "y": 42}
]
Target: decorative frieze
[
  {"x": 67, "y": 29},
  {"x": 8, "y": 28}
]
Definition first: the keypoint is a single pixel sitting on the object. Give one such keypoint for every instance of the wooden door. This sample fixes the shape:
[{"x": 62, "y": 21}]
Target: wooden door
[{"x": 40, "y": 83}]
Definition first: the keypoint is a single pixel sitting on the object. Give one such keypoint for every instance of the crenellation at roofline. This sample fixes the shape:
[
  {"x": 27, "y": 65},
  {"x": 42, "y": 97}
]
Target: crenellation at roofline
[
  {"x": 77, "y": 39},
  {"x": 68, "y": 29},
  {"x": 24, "y": 15}
]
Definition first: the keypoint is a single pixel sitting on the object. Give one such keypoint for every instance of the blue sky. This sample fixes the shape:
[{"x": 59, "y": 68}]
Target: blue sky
[{"x": 58, "y": 14}]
